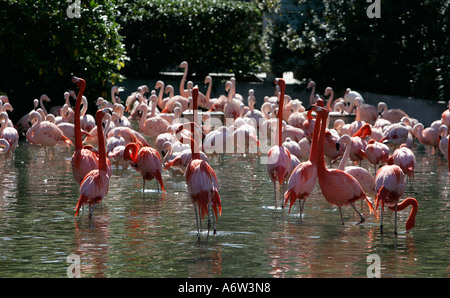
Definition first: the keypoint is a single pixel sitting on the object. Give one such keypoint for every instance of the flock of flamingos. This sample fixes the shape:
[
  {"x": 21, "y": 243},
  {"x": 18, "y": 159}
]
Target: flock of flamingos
[{"x": 299, "y": 152}]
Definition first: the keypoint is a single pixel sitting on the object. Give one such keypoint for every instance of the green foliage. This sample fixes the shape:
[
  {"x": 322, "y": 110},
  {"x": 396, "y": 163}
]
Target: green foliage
[
  {"x": 403, "y": 52},
  {"x": 213, "y": 36},
  {"x": 42, "y": 48}
]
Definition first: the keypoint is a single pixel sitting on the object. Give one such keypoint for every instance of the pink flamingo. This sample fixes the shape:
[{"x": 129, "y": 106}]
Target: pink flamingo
[
  {"x": 45, "y": 133},
  {"x": 8, "y": 133},
  {"x": 183, "y": 158},
  {"x": 202, "y": 100},
  {"x": 445, "y": 117},
  {"x": 376, "y": 153},
  {"x": 304, "y": 176},
  {"x": 359, "y": 144},
  {"x": 95, "y": 184},
  {"x": 338, "y": 187},
  {"x": 154, "y": 125},
  {"x": 390, "y": 185},
  {"x": 4, "y": 145},
  {"x": 363, "y": 176},
  {"x": 365, "y": 112},
  {"x": 392, "y": 115},
  {"x": 83, "y": 160},
  {"x": 405, "y": 159},
  {"x": 147, "y": 161},
  {"x": 427, "y": 136},
  {"x": 202, "y": 182},
  {"x": 443, "y": 143},
  {"x": 279, "y": 157}
]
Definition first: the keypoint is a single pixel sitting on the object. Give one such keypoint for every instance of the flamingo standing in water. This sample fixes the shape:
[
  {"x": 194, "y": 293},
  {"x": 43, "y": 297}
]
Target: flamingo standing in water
[
  {"x": 338, "y": 187},
  {"x": 201, "y": 181},
  {"x": 390, "y": 185},
  {"x": 95, "y": 184},
  {"x": 8, "y": 133},
  {"x": 83, "y": 160},
  {"x": 45, "y": 133},
  {"x": 304, "y": 176},
  {"x": 147, "y": 161},
  {"x": 279, "y": 157}
]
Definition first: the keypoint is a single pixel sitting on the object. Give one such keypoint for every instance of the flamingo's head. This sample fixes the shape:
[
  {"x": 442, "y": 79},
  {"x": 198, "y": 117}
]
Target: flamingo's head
[{"x": 79, "y": 82}]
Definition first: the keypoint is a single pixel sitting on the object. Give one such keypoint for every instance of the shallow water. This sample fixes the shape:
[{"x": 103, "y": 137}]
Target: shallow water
[{"x": 132, "y": 234}]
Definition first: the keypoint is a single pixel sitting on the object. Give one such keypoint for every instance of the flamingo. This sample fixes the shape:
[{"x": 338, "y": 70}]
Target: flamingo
[
  {"x": 445, "y": 116},
  {"x": 338, "y": 187},
  {"x": 170, "y": 103},
  {"x": 296, "y": 118},
  {"x": 154, "y": 125},
  {"x": 428, "y": 136},
  {"x": 365, "y": 179},
  {"x": 202, "y": 100},
  {"x": 8, "y": 133},
  {"x": 83, "y": 160},
  {"x": 202, "y": 184},
  {"x": 359, "y": 144},
  {"x": 312, "y": 85},
  {"x": 304, "y": 176},
  {"x": 94, "y": 186},
  {"x": 23, "y": 125},
  {"x": 253, "y": 113},
  {"x": 279, "y": 158},
  {"x": 376, "y": 153},
  {"x": 396, "y": 134},
  {"x": 349, "y": 99},
  {"x": 147, "y": 161},
  {"x": 443, "y": 143},
  {"x": 390, "y": 186},
  {"x": 6, "y": 107},
  {"x": 45, "y": 133},
  {"x": 43, "y": 98},
  {"x": 405, "y": 159},
  {"x": 231, "y": 108},
  {"x": 4, "y": 145},
  {"x": 393, "y": 115},
  {"x": 330, "y": 105},
  {"x": 365, "y": 112}
]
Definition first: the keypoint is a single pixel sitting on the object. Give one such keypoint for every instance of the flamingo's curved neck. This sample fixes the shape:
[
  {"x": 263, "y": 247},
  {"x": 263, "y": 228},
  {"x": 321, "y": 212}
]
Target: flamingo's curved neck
[
  {"x": 183, "y": 80},
  {"x": 311, "y": 96},
  {"x": 330, "y": 100},
  {"x": 160, "y": 84},
  {"x": 41, "y": 103},
  {"x": 208, "y": 92},
  {"x": 143, "y": 116},
  {"x": 134, "y": 150},
  {"x": 411, "y": 221},
  {"x": 314, "y": 143},
  {"x": 348, "y": 147},
  {"x": 30, "y": 132},
  {"x": 282, "y": 85},
  {"x": 101, "y": 141},
  {"x": 194, "y": 104},
  {"x": 322, "y": 117},
  {"x": 78, "y": 143}
]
